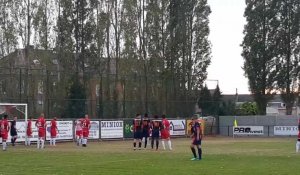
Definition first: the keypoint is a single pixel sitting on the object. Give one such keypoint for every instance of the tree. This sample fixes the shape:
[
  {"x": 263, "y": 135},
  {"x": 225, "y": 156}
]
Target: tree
[
  {"x": 76, "y": 98},
  {"x": 205, "y": 101},
  {"x": 258, "y": 50},
  {"x": 287, "y": 50},
  {"x": 216, "y": 101}
]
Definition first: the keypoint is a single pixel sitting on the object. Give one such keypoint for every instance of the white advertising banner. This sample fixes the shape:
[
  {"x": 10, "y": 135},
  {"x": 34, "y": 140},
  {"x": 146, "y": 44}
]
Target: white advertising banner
[
  {"x": 285, "y": 130},
  {"x": 65, "y": 130},
  {"x": 21, "y": 125},
  {"x": 248, "y": 130},
  {"x": 177, "y": 127},
  {"x": 111, "y": 129},
  {"x": 94, "y": 130}
]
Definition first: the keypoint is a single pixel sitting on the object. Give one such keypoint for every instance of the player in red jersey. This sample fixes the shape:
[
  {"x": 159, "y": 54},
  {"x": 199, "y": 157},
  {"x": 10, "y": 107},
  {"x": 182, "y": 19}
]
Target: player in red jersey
[
  {"x": 4, "y": 131},
  {"x": 53, "y": 131},
  {"x": 165, "y": 133},
  {"x": 78, "y": 130},
  {"x": 41, "y": 125},
  {"x": 28, "y": 131},
  {"x": 86, "y": 125}
]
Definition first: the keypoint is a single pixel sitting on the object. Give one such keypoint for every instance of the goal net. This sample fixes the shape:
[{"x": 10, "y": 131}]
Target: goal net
[{"x": 18, "y": 110}]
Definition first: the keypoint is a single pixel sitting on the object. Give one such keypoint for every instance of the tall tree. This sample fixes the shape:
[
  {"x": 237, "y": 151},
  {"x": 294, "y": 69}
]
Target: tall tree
[
  {"x": 258, "y": 50},
  {"x": 287, "y": 50}
]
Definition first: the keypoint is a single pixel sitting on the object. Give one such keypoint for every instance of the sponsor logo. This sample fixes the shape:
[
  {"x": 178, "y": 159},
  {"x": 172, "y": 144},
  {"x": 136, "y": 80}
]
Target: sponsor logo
[{"x": 247, "y": 130}]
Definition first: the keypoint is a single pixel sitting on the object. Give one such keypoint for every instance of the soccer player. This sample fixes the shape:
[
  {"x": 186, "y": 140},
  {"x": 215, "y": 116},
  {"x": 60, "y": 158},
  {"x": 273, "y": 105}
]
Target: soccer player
[
  {"x": 78, "y": 130},
  {"x": 298, "y": 140},
  {"x": 86, "y": 125},
  {"x": 13, "y": 131},
  {"x": 156, "y": 126},
  {"x": 137, "y": 131},
  {"x": 165, "y": 133},
  {"x": 53, "y": 131},
  {"x": 41, "y": 125},
  {"x": 29, "y": 132},
  {"x": 4, "y": 131},
  {"x": 145, "y": 130},
  {"x": 196, "y": 139}
]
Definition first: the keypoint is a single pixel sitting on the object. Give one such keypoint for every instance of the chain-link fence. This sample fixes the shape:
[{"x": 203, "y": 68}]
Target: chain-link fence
[{"x": 106, "y": 95}]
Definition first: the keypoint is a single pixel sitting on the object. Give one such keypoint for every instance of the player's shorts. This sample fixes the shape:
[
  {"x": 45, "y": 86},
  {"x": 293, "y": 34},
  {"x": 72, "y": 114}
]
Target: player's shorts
[
  {"x": 42, "y": 132},
  {"x": 29, "y": 133},
  {"x": 13, "y": 133},
  {"x": 155, "y": 133},
  {"x": 79, "y": 133},
  {"x": 137, "y": 135},
  {"x": 165, "y": 135},
  {"x": 4, "y": 136},
  {"x": 85, "y": 133},
  {"x": 196, "y": 142},
  {"x": 53, "y": 133},
  {"x": 145, "y": 134}
]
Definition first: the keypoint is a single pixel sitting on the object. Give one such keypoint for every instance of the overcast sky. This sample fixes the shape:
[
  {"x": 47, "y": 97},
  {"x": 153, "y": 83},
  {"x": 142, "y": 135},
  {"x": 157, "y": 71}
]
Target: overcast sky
[{"x": 226, "y": 34}]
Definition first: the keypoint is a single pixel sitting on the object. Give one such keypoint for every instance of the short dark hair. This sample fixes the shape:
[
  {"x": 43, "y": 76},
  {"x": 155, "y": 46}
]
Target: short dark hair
[
  {"x": 5, "y": 116},
  {"x": 163, "y": 116}
]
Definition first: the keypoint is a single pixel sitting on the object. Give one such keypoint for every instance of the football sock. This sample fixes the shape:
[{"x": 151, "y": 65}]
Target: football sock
[
  {"x": 152, "y": 143},
  {"x": 4, "y": 145},
  {"x": 140, "y": 144},
  {"x": 200, "y": 153},
  {"x": 157, "y": 143},
  {"x": 28, "y": 141},
  {"x": 163, "y": 144},
  {"x": 297, "y": 147},
  {"x": 15, "y": 140},
  {"x": 146, "y": 139},
  {"x": 53, "y": 141},
  {"x": 38, "y": 143},
  {"x": 43, "y": 143},
  {"x": 134, "y": 144},
  {"x": 170, "y": 144},
  {"x": 194, "y": 152},
  {"x": 85, "y": 141}
]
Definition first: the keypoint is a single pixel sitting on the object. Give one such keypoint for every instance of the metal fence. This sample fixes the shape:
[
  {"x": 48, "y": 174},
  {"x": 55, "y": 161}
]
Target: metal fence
[{"x": 107, "y": 95}]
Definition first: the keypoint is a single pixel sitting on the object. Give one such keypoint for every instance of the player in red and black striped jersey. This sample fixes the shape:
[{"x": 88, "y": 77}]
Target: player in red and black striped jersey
[
  {"x": 137, "y": 131},
  {"x": 196, "y": 139},
  {"x": 156, "y": 126},
  {"x": 145, "y": 130},
  {"x": 298, "y": 139},
  {"x": 4, "y": 131}
]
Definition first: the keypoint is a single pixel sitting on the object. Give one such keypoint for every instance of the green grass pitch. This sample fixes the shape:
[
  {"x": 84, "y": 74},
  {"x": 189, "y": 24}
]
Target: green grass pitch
[{"x": 221, "y": 156}]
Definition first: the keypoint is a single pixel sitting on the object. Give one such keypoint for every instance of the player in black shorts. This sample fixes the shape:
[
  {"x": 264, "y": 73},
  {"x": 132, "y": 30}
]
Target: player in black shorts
[
  {"x": 137, "y": 131},
  {"x": 156, "y": 126},
  {"x": 13, "y": 131},
  {"x": 196, "y": 139},
  {"x": 145, "y": 129}
]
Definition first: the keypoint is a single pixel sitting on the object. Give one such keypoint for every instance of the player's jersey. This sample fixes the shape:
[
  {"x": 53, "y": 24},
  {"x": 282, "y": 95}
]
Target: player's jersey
[
  {"x": 13, "y": 128},
  {"x": 53, "y": 125},
  {"x": 29, "y": 128},
  {"x": 4, "y": 126},
  {"x": 146, "y": 126},
  {"x": 137, "y": 125},
  {"x": 156, "y": 125},
  {"x": 78, "y": 126},
  {"x": 194, "y": 130},
  {"x": 40, "y": 123},
  {"x": 85, "y": 124},
  {"x": 165, "y": 125}
]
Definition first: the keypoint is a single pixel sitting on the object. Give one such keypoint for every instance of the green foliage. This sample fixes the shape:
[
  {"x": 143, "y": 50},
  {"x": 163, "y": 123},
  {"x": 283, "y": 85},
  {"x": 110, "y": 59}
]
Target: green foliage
[
  {"x": 247, "y": 108},
  {"x": 77, "y": 99}
]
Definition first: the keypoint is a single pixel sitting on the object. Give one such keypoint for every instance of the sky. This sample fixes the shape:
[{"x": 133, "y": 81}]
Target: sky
[{"x": 226, "y": 34}]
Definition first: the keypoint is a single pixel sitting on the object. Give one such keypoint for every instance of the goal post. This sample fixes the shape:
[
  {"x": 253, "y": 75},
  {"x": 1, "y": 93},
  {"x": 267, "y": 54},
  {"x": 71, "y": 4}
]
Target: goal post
[{"x": 15, "y": 109}]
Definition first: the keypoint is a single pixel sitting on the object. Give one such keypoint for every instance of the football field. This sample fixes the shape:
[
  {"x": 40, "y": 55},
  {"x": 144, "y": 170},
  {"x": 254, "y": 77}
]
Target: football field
[{"x": 221, "y": 155}]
